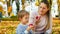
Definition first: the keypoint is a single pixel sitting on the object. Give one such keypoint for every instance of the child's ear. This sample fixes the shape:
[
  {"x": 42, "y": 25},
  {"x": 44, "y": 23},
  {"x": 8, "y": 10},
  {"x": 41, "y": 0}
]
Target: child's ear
[{"x": 19, "y": 19}]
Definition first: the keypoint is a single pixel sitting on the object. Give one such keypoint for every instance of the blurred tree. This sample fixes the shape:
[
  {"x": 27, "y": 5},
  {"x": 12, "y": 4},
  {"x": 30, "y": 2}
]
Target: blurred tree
[
  {"x": 1, "y": 10},
  {"x": 23, "y": 7},
  {"x": 37, "y": 3},
  {"x": 17, "y": 4},
  {"x": 9, "y": 10},
  {"x": 8, "y": 3},
  {"x": 59, "y": 7}
]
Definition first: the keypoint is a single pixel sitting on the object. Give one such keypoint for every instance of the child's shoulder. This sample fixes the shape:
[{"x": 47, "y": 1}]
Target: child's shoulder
[{"x": 21, "y": 25}]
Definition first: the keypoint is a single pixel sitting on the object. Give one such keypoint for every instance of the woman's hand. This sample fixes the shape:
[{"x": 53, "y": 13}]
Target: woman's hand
[{"x": 37, "y": 19}]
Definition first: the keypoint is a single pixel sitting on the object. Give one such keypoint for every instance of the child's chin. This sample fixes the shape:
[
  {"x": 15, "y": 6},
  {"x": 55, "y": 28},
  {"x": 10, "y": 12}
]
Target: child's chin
[{"x": 27, "y": 22}]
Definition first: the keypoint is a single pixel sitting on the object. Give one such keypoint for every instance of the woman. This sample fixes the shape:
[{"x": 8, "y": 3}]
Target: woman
[{"x": 41, "y": 19}]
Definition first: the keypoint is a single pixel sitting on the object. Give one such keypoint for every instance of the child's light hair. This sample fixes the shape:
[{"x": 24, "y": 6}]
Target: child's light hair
[{"x": 22, "y": 13}]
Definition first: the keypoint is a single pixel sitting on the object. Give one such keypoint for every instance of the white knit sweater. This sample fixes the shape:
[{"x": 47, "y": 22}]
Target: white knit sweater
[{"x": 42, "y": 24}]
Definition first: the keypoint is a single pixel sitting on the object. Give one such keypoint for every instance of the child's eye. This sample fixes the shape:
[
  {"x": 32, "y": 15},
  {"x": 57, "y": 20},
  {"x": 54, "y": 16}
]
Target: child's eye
[
  {"x": 26, "y": 18},
  {"x": 43, "y": 8}
]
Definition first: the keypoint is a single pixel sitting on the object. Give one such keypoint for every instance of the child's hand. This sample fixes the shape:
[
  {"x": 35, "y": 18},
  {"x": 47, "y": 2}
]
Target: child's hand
[
  {"x": 29, "y": 28},
  {"x": 30, "y": 24},
  {"x": 33, "y": 28}
]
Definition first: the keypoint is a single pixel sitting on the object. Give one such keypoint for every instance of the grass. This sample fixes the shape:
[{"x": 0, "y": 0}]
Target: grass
[{"x": 9, "y": 27}]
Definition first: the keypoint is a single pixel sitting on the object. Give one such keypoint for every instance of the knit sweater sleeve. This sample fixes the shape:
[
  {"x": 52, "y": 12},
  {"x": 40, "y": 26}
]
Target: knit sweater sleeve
[{"x": 22, "y": 30}]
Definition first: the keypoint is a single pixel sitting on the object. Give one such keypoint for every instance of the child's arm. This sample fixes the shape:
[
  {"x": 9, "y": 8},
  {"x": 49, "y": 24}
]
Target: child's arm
[
  {"x": 20, "y": 30},
  {"x": 28, "y": 30}
]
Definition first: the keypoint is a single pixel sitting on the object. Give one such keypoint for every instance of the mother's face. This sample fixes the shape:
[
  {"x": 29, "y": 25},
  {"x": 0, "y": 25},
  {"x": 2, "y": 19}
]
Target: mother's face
[{"x": 42, "y": 9}]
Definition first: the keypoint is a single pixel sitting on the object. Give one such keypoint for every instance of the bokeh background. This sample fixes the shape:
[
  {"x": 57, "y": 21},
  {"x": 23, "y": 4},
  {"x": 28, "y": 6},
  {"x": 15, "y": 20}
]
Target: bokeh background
[{"x": 9, "y": 9}]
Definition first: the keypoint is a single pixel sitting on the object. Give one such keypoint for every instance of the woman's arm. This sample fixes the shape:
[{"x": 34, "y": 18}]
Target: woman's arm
[{"x": 31, "y": 18}]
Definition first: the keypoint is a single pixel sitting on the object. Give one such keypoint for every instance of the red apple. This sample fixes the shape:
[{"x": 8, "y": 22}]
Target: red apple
[
  {"x": 37, "y": 17},
  {"x": 30, "y": 24}
]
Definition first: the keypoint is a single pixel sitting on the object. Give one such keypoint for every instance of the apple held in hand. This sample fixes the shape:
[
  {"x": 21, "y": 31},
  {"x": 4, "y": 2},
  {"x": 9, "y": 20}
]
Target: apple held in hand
[
  {"x": 38, "y": 17},
  {"x": 30, "y": 24}
]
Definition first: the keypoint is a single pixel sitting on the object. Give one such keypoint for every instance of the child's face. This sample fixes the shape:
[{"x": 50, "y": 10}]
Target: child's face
[
  {"x": 43, "y": 9},
  {"x": 25, "y": 19}
]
